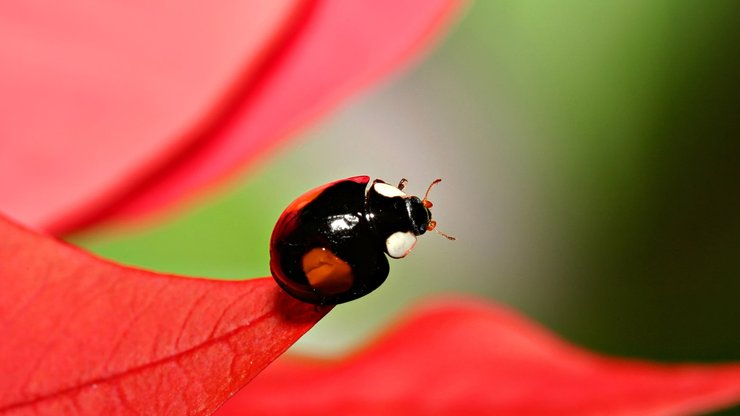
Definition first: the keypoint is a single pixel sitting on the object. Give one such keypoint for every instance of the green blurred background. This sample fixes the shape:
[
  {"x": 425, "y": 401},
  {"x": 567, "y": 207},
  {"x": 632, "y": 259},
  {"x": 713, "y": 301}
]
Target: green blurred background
[{"x": 591, "y": 161}]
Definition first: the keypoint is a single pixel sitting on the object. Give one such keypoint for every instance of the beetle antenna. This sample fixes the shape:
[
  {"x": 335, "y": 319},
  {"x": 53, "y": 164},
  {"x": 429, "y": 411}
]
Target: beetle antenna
[
  {"x": 426, "y": 195},
  {"x": 445, "y": 235},
  {"x": 432, "y": 226}
]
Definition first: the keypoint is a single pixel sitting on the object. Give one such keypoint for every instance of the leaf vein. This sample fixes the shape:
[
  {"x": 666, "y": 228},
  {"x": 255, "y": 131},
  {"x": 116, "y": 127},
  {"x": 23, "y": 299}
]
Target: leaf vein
[{"x": 138, "y": 369}]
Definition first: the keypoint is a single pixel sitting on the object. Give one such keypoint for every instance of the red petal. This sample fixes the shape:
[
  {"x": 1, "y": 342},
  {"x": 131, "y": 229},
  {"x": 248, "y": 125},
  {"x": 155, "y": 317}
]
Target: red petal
[
  {"x": 463, "y": 357},
  {"x": 95, "y": 98},
  {"x": 81, "y": 335},
  {"x": 343, "y": 46}
]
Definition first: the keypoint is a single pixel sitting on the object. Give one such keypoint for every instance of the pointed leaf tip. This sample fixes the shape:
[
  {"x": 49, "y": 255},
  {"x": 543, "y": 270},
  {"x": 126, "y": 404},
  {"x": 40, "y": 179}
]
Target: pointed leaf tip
[
  {"x": 85, "y": 336},
  {"x": 466, "y": 357}
]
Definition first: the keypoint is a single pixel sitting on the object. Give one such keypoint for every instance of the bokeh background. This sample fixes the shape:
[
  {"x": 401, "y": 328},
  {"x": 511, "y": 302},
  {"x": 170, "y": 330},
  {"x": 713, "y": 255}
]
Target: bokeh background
[{"x": 590, "y": 153}]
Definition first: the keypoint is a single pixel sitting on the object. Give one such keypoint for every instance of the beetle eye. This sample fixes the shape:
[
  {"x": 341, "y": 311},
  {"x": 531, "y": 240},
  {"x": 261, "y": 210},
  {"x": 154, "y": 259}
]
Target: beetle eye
[{"x": 432, "y": 225}]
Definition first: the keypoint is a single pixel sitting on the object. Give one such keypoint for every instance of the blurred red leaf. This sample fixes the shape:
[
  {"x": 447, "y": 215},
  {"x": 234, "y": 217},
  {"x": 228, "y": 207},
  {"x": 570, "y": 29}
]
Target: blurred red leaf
[
  {"x": 342, "y": 47},
  {"x": 82, "y": 335},
  {"x": 465, "y": 357},
  {"x": 97, "y": 97},
  {"x": 114, "y": 103}
]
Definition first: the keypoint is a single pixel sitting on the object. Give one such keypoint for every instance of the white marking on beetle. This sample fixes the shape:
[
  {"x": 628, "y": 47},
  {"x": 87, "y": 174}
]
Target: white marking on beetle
[
  {"x": 388, "y": 191},
  {"x": 399, "y": 244}
]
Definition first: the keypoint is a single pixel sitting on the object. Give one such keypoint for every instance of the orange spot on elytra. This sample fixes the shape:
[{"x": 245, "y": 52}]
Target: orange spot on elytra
[{"x": 327, "y": 272}]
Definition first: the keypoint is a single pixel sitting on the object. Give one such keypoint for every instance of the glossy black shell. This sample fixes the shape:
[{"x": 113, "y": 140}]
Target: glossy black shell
[{"x": 334, "y": 217}]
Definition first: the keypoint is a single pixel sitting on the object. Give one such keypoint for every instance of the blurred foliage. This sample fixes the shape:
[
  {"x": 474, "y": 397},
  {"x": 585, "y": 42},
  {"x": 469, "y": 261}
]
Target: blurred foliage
[
  {"x": 593, "y": 150},
  {"x": 636, "y": 108}
]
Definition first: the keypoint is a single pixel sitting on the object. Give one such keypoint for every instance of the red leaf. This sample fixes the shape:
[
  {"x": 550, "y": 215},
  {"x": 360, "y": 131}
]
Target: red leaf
[
  {"x": 464, "y": 357},
  {"x": 81, "y": 335},
  {"x": 343, "y": 46},
  {"x": 95, "y": 99},
  {"x": 100, "y": 104}
]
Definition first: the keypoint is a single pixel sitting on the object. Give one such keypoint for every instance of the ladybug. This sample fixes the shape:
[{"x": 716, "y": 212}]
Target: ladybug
[{"x": 329, "y": 246}]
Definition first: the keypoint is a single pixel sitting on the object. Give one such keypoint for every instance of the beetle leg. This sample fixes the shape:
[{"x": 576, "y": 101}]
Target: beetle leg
[{"x": 402, "y": 184}]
